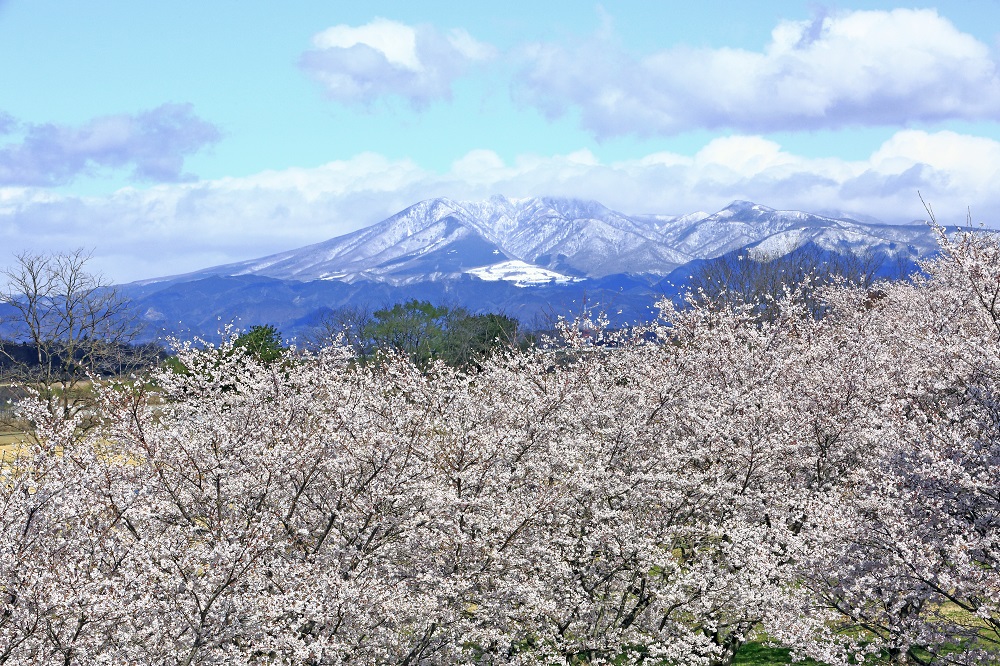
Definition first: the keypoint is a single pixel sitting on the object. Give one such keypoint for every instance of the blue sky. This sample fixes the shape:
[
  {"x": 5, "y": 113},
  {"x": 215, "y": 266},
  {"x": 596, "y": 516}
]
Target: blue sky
[{"x": 167, "y": 137}]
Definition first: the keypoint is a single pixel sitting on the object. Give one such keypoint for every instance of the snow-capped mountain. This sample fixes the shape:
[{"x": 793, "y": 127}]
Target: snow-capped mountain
[
  {"x": 529, "y": 241},
  {"x": 528, "y": 258},
  {"x": 777, "y": 232},
  {"x": 441, "y": 238}
]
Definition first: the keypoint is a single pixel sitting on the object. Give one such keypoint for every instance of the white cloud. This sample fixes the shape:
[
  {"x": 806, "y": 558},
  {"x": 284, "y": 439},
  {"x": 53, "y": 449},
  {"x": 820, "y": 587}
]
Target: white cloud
[
  {"x": 745, "y": 154},
  {"x": 968, "y": 161},
  {"x": 469, "y": 47},
  {"x": 480, "y": 167},
  {"x": 174, "y": 228},
  {"x": 396, "y": 41},
  {"x": 154, "y": 143},
  {"x": 852, "y": 68},
  {"x": 358, "y": 65}
]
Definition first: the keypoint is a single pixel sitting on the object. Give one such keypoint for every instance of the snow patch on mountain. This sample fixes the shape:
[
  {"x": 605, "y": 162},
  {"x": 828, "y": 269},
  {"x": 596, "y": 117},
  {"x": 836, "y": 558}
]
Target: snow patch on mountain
[
  {"x": 779, "y": 244},
  {"x": 522, "y": 274}
]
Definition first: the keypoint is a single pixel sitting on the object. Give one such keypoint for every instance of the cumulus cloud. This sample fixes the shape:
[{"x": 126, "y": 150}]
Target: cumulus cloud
[
  {"x": 7, "y": 123},
  {"x": 153, "y": 143},
  {"x": 357, "y": 65},
  {"x": 851, "y": 68},
  {"x": 196, "y": 225}
]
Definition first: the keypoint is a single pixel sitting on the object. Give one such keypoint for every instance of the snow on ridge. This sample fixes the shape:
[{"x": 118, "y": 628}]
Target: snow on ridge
[
  {"x": 544, "y": 235},
  {"x": 778, "y": 244},
  {"x": 521, "y": 273}
]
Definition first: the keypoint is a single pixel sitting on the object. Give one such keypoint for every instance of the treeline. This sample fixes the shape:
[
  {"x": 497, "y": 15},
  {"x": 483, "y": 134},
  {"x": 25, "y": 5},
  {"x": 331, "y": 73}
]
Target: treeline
[
  {"x": 420, "y": 330},
  {"x": 19, "y": 356}
]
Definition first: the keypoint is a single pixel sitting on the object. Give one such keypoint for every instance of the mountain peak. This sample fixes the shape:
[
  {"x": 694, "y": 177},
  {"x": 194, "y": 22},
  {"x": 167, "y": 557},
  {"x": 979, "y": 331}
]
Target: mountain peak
[{"x": 742, "y": 205}]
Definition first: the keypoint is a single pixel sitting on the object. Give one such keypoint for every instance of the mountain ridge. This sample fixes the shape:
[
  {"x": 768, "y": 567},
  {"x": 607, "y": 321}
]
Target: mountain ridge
[
  {"x": 524, "y": 257},
  {"x": 441, "y": 239}
]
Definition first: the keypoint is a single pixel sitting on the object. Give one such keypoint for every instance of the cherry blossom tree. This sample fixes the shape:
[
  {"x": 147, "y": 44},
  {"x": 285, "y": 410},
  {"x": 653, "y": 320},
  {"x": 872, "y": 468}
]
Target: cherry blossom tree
[
  {"x": 909, "y": 555},
  {"x": 661, "y": 495}
]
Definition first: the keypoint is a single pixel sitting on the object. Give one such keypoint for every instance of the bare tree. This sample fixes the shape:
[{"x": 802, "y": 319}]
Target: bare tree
[
  {"x": 344, "y": 325},
  {"x": 62, "y": 324}
]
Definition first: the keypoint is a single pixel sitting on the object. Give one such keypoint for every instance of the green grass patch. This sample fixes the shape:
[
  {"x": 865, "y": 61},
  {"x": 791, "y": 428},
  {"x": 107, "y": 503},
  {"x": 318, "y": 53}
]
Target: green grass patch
[{"x": 758, "y": 654}]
